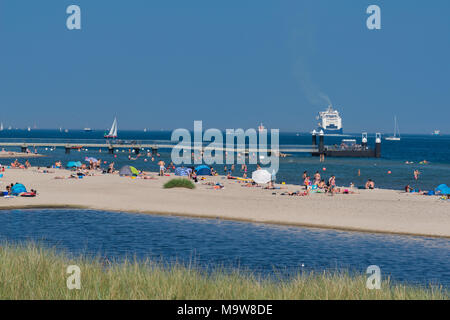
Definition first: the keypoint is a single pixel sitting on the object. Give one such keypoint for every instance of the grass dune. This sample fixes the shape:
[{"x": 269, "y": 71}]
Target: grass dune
[{"x": 34, "y": 272}]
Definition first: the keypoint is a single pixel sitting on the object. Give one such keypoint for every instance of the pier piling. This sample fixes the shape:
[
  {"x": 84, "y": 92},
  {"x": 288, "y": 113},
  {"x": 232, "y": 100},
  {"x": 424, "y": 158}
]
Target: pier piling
[
  {"x": 321, "y": 143},
  {"x": 364, "y": 141},
  {"x": 377, "y": 145}
]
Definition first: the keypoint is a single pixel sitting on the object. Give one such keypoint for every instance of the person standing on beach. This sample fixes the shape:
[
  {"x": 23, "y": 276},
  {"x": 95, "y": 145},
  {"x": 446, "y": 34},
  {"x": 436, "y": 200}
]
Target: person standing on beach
[
  {"x": 305, "y": 173},
  {"x": 416, "y": 174},
  {"x": 161, "y": 167},
  {"x": 316, "y": 177},
  {"x": 332, "y": 184}
]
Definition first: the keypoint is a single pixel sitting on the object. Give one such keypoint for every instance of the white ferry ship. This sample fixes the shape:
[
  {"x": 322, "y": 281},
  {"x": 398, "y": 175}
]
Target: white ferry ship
[{"x": 330, "y": 121}]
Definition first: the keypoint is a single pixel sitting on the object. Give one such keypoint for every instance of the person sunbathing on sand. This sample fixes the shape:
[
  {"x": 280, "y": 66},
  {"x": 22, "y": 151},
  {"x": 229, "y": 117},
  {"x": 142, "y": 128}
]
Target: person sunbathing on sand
[
  {"x": 110, "y": 168},
  {"x": 370, "y": 184},
  {"x": 296, "y": 193},
  {"x": 322, "y": 184},
  {"x": 16, "y": 164}
]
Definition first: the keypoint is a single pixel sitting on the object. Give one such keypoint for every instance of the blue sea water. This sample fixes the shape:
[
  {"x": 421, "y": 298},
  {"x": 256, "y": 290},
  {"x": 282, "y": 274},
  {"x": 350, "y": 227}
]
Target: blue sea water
[
  {"x": 262, "y": 249},
  {"x": 412, "y": 148}
]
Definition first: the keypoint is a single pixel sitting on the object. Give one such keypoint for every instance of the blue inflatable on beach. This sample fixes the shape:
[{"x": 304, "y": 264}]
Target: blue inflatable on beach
[
  {"x": 18, "y": 188},
  {"x": 443, "y": 189}
]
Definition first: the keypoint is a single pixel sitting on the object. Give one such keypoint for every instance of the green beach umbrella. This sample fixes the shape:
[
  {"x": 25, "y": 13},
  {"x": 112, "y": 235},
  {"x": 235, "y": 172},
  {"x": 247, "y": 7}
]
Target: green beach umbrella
[{"x": 134, "y": 170}]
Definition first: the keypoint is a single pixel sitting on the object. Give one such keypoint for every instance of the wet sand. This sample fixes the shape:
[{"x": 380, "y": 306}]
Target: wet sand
[{"x": 385, "y": 211}]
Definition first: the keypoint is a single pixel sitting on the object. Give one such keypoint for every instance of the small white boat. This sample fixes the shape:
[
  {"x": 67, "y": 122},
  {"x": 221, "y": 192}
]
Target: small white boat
[
  {"x": 113, "y": 131},
  {"x": 395, "y": 137},
  {"x": 261, "y": 128}
]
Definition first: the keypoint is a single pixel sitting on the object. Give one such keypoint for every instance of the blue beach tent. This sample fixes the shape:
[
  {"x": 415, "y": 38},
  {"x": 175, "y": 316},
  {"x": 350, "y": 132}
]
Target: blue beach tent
[
  {"x": 73, "y": 164},
  {"x": 443, "y": 189},
  {"x": 17, "y": 189},
  {"x": 203, "y": 170}
]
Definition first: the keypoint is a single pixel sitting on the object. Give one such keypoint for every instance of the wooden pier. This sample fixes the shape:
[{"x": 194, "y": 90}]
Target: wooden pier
[
  {"x": 356, "y": 151},
  {"x": 137, "y": 146}
]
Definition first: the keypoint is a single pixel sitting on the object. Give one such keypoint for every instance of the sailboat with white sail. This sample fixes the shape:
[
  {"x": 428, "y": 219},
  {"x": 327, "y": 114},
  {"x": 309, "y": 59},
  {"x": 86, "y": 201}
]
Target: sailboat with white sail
[
  {"x": 395, "y": 137},
  {"x": 113, "y": 131}
]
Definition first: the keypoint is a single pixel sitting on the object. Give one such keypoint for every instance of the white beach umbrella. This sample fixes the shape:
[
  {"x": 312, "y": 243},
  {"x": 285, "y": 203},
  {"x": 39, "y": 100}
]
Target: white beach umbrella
[{"x": 261, "y": 176}]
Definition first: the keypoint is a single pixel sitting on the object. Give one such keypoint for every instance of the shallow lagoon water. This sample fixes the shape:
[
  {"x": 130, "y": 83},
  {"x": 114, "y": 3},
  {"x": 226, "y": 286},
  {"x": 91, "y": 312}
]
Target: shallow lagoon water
[{"x": 260, "y": 248}]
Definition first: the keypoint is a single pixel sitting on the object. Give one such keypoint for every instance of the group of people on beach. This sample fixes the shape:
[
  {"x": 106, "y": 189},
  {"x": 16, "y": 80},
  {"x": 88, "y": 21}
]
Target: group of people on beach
[
  {"x": 17, "y": 189},
  {"x": 319, "y": 184},
  {"x": 17, "y": 165}
]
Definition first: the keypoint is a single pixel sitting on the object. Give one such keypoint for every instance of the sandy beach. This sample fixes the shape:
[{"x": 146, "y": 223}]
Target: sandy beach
[
  {"x": 385, "y": 211},
  {"x": 13, "y": 155}
]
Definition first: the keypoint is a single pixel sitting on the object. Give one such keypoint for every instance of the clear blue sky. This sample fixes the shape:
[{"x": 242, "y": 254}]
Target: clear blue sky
[{"x": 163, "y": 64}]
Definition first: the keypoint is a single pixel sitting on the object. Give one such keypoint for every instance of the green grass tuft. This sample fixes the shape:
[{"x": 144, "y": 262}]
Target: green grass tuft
[
  {"x": 34, "y": 272},
  {"x": 179, "y": 183}
]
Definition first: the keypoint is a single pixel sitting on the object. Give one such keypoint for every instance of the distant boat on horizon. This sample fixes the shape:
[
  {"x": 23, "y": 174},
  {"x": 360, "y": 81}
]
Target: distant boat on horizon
[
  {"x": 87, "y": 129},
  {"x": 261, "y": 127},
  {"x": 436, "y": 133},
  {"x": 396, "y": 129},
  {"x": 113, "y": 131},
  {"x": 1, "y": 126}
]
